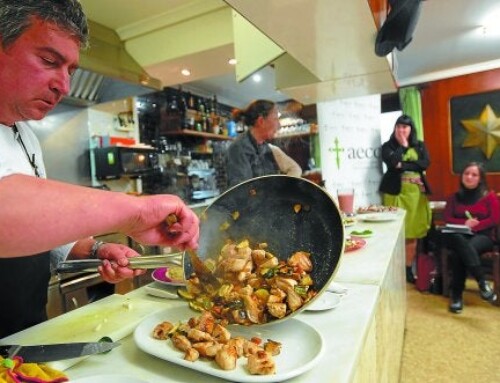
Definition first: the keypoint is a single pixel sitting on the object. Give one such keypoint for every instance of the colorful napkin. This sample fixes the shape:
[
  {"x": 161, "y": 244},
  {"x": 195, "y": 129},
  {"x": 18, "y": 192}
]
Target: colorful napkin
[{"x": 16, "y": 371}]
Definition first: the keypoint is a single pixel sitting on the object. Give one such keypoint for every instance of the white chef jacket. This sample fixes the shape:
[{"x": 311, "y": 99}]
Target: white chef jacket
[{"x": 13, "y": 159}]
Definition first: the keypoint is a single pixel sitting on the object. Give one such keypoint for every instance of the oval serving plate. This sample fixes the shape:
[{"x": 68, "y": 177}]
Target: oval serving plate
[
  {"x": 293, "y": 334},
  {"x": 378, "y": 217},
  {"x": 160, "y": 275}
]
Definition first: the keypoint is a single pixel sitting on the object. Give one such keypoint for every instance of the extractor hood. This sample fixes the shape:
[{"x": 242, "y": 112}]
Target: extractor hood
[
  {"x": 107, "y": 71},
  {"x": 90, "y": 88}
]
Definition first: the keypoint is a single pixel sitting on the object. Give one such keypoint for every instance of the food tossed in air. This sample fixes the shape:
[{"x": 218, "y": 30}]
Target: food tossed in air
[{"x": 254, "y": 287}]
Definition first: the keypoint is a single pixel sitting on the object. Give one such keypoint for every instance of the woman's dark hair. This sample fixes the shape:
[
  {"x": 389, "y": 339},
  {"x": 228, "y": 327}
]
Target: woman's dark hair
[
  {"x": 482, "y": 187},
  {"x": 253, "y": 111},
  {"x": 406, "y": 120}
]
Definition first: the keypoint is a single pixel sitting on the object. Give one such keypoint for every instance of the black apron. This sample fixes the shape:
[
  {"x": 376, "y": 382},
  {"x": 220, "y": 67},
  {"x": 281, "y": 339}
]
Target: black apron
[{"x": 24, "y": 284}]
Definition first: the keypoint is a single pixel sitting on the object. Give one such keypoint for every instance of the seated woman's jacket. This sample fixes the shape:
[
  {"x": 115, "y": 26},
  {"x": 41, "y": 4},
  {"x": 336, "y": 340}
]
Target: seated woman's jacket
[{"x": 486, "y": 210}]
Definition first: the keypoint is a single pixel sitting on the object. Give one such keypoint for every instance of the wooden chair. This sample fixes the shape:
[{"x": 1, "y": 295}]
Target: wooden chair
[{"x": 490, "y": 261}]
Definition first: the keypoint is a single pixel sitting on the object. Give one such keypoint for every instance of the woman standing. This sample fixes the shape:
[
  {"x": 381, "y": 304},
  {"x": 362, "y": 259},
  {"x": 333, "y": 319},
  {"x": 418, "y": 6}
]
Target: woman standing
[
  {"x": 404, "y": 184},
  {"x": 474, "y": 206},
  {"x": 250, "y": 155}
]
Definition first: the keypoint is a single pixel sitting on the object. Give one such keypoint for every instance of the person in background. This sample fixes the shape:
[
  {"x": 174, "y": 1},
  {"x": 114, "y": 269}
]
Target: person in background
[
  {"x": 476, "y": 207},
  {"x": 43, "y": 222},
  {"x": 404, "y": 184},
  {"x": 250, "y": 155}
]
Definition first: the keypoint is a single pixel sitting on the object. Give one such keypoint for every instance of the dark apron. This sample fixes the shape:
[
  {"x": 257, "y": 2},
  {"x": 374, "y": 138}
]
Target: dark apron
[{"x": 24, "y": 283}]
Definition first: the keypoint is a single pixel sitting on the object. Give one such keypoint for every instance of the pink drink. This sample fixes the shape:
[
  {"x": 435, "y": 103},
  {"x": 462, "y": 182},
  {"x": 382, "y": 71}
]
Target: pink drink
[{"x": 346, "y": 201}]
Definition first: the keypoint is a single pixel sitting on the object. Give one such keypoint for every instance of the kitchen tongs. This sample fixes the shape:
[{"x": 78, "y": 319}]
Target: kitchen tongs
[{"x": 142, "y": 262}]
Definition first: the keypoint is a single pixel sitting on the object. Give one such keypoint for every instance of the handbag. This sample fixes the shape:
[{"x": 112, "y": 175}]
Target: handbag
[{"x": 426, "y": 272}]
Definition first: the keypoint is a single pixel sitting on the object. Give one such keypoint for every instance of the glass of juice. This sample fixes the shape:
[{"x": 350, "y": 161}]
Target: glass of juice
[{"x": 346, "y": 200}]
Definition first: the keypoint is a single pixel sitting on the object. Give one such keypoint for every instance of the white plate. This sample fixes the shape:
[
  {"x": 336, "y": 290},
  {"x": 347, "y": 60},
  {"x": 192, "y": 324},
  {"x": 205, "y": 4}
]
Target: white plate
[
  {"x": 349, "y": 223},
  {"x": 293, "y": 334},
  {"x": 108, "y": 378},
  {"x": 325, "y": 301},
  {"x": 160, "y": 276},
  {"x": 378, "y": 217}
]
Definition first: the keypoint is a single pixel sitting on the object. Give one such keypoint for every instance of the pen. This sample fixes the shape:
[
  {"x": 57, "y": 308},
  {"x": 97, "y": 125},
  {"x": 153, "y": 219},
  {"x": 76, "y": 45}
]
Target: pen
[{"x": 468, "y": 214}]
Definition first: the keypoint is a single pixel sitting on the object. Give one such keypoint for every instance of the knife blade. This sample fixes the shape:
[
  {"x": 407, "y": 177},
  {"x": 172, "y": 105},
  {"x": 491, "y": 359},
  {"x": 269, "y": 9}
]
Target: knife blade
[{"x": 58, "y": 351}]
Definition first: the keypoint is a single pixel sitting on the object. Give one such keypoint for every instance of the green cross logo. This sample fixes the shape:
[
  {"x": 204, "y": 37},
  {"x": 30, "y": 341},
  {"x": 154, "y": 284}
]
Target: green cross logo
[{"x": 337, "y": 150}]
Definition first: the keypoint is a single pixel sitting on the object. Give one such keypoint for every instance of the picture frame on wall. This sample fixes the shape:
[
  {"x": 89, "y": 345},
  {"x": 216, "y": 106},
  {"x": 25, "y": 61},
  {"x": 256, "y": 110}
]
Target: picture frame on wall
[{"x": 475, "y": 131}]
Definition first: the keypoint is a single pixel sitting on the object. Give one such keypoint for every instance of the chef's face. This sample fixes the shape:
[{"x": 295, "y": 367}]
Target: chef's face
[
  {"x": 271, "y": 123},
  {"x": 471, "y": 177},
  {"x": 36, "y": 71}
]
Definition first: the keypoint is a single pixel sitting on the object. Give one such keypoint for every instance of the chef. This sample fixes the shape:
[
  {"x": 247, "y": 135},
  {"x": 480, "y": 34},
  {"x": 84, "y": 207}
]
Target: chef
[{"x": 42, "y": 221}]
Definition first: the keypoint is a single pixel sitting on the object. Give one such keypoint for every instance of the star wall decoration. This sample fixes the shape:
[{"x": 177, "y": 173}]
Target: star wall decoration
[{"x": 483, "y": 133}]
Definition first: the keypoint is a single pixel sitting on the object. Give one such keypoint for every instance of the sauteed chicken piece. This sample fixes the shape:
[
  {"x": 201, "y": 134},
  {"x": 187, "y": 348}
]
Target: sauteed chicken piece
[
  {"x": 256, "y": 287},
  {"x": 207, "y": 337},
  {"x": 261, "y": 363}
]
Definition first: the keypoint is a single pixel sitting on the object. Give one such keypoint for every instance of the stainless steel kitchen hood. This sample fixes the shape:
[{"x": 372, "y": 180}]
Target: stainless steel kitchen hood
[
  {"x": 107, "y": 71},
  {"x": 90, "y": 88}
]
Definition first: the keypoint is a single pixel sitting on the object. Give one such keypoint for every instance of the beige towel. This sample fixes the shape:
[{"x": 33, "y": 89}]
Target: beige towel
[{"x": 286, "y": 164}]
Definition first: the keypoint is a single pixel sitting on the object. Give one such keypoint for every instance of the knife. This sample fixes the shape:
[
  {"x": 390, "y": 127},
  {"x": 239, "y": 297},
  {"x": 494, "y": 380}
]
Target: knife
[
  {"x": 142, "y": 262},
  {"x": 59, "y": 351}
]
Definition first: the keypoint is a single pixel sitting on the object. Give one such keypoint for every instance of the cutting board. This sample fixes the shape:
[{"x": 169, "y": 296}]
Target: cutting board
[{"x": 115, "y": 316}]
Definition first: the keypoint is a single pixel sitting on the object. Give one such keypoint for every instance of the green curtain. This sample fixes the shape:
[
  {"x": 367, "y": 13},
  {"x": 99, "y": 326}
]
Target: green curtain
[{"x": 411, "y": 105}]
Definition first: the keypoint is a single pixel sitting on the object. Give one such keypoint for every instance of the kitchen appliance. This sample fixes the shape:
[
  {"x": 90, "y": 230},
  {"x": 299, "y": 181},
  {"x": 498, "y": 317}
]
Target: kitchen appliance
[{"x": 118, "y": 161}]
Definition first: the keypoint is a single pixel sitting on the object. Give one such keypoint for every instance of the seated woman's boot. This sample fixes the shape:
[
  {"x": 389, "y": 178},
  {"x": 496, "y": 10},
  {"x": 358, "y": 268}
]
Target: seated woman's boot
[
  {"x": 410, "y": 278},
  {"x": 456, "y": 303},
  {"x": 486, "y": 291}
]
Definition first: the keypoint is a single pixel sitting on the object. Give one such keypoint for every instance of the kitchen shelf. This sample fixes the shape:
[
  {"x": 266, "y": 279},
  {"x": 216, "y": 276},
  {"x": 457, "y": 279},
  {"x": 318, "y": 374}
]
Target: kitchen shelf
[
  {"x": 194, "y": 133},
  {"x": 293, "y": 135}
]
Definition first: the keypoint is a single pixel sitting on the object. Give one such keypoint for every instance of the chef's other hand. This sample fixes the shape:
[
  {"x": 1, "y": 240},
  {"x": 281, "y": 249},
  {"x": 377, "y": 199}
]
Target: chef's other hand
[
  {"x": 150, "y": 226},
  {"x": 114, "y": 266}
]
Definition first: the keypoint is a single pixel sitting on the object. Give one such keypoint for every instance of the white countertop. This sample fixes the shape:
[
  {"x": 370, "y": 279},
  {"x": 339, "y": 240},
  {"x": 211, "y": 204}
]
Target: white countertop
[
  {"x": 369, "y": 264},
  {"x": 346, "y": 329}
]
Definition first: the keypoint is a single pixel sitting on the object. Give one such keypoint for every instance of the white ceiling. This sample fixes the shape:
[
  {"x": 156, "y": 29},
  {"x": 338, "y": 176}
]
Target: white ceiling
[{"x": 447, "y": 42}]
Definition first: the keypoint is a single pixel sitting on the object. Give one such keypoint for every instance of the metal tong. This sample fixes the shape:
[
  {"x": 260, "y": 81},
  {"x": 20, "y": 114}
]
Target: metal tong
[{"x": 142, "y": 262}]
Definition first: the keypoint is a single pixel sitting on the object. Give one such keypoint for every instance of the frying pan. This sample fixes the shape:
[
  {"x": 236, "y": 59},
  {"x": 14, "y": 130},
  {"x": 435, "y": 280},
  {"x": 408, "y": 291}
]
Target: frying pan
[{"x": 264, "y": 208}]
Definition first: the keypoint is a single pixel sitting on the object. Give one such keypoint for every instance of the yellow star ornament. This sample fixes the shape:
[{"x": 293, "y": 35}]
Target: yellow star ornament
[{"x": 483, "y": 133}]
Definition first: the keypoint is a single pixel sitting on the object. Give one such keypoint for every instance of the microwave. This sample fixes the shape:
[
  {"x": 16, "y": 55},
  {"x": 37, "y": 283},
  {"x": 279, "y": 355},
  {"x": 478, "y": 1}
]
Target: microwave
[{"x": 121, "y": 161}]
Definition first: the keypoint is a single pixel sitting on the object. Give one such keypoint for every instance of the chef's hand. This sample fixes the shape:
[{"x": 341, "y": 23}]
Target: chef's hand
[
  {"x": 114, "y": 266},
  {"x": 150, "y": 226}
]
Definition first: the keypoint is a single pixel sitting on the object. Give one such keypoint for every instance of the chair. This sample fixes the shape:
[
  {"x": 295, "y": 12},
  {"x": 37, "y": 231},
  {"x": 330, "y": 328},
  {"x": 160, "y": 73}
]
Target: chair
[{"x": 490, "y": 260}]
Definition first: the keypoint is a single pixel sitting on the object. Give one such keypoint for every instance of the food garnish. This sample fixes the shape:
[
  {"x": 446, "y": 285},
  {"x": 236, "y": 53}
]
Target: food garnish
[
  {"x": 255, "y": 286},
  {"x": 208, "y": 337},
  {"x": 351, "y": 243},
  {"x": 364, "y": 232},
  {"x": 175, "y": 273},
  {"x": 376, "y": 209}
]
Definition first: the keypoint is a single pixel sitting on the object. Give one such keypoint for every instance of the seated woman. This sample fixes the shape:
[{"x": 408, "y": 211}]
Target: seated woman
[{"x": 476, "y": 207}]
